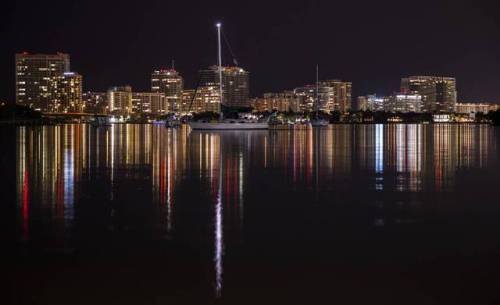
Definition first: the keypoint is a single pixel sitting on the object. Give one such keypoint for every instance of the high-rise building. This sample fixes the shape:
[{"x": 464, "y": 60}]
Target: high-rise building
[
  {"x": 332, "y": 95},
  {"x": 375, "y": 103},
  {"x": 187, "y": 100},
  {"x": 35, "y": 77},
  {"x": 307, "y": 98},
  {"x": 361, "y": 103},
  {"x": 120, "y": 100},
  {"x": 342, "y": 92},
  {"x": 439, "y": 94},
  {"x": 149, "y": 103},
  {"x": 205, "y": 98},
  {"x": 283, "y": 102},
  {"x": 403, "y": 103},
  {"x": 208, "y": 98},
  {"x": 95, "y": 102},
  {"x": 170, "y": 83},
  {"x": 467, "y": 108},
  {"x": 235, "y": 84},
  {"x": 66, "y": 93},
  {"x": 294, "y": 103}
]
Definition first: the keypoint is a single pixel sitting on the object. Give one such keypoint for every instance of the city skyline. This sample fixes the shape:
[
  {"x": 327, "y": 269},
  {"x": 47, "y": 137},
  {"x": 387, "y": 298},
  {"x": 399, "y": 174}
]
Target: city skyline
[
  {"x": 268, "y": 47},
  {"x": 174, "y": 95},
  {"x": 44, "y": 82}
]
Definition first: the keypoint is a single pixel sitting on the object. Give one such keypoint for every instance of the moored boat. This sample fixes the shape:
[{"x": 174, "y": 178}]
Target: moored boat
[
  {"x": 172, "y": 121},
  {"x": 100, "y": 121},
  {"x": 318, "y": 122},
  {"x": 229, "y": 124}
]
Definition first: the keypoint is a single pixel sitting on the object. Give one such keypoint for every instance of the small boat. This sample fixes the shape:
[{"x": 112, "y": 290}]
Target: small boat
[
  {"x": 172, "y": 122},
  {"x": 229, "y": 124},
  {"x": 318, "y": 122},
  {"x": 100, "y": 121}
]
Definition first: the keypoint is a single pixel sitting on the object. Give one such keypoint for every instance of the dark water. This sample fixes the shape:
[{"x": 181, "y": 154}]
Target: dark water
[{"x": 349, "y": 214}]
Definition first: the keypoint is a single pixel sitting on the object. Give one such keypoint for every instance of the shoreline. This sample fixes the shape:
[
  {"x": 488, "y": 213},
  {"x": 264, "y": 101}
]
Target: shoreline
[{"x": 274, "y": 127}]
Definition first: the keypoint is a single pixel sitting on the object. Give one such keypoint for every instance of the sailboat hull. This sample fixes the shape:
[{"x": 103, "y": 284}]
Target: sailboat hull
[
  {"x": 228, "y": 126},
  {"x": 319, "y": 123}
]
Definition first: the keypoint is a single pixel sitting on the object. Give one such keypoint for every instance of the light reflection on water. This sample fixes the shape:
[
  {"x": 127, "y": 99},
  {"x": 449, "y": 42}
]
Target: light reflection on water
[{"x": 58, "y": 165}]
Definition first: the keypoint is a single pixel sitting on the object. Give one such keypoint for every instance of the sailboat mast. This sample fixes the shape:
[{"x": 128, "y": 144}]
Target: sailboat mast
[
  {"x": 219, "y": 62},
  {"x": 317, "y": 90}
]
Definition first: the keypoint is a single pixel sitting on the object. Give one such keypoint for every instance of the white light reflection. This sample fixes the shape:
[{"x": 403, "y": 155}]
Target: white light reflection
[
  {"x": 111, "y": 147},
  {"x": 69, "y": 174},
  {"x": 219, "y": 247},
  {"x": 169, "y": 181},
  {"x": 379, "y": 156},
  {"x": 219, "y": 235},
  {"x": 240, "y": 187}
]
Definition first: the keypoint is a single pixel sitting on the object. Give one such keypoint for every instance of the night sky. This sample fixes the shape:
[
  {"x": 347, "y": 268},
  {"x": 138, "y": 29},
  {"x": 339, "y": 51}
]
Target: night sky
[{"x": 371, "y": 43}]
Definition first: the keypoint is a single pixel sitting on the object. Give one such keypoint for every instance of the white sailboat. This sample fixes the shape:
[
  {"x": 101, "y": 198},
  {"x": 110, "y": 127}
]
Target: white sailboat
[{"x": 227, "y": 124}]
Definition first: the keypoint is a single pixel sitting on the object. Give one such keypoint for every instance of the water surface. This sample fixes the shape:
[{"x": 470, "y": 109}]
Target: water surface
[{"x": 349, "y": 214}]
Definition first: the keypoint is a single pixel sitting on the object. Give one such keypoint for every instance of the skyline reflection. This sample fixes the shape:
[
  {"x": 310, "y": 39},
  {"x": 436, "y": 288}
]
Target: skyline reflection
[
  {"x": 52, "y": 160},
  {"x": 152, "y": 173}
]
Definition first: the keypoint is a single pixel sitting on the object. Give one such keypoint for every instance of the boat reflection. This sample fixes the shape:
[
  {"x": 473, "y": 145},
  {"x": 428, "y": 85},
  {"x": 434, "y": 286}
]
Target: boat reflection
[{"x": 220, "y": 158}]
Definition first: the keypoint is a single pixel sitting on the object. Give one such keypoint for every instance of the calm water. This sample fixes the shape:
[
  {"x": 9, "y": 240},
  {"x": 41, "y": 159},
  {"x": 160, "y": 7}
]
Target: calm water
[{"x": 349, "y": 214}]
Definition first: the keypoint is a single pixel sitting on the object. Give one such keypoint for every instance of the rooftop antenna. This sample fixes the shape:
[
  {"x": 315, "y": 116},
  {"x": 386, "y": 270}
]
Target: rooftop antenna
[{"x": 173, "y": 64}]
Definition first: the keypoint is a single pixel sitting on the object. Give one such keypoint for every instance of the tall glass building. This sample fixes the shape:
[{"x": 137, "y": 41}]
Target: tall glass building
[
  {"x": 170, "y": 83},
  {"x": 342, "y": 94},
  {"x": 403, "y": 103},
  {"x": 120, "y": 100},
  {"x": 36, "y": 77},
  {"x": 333, "y": 95},
  {"x": 235, "y": 84},
  {"x": 439, "y": 94},
  {"x": 67, "y": 93}
]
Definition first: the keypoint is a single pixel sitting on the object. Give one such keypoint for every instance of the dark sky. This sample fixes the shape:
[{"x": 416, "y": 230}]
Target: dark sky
[{"x": 371, "y": 43}]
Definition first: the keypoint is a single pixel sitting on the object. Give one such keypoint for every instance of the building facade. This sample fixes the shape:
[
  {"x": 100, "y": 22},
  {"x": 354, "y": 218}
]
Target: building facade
[
  {"x": 375, "y": 103},
  {"x": 342, "y": 94},
  {"x": 187, "y": 100},
  {"x": 403, "y": 103},
  {"x": 439, "y": 94},
  {"x": 170, "y": 83},
  {"x": 282, "y": 102},
  {"x": 149, "y": 103},
  {"x": 310, "y": 100},
  {"x": 361, "y": 103},
  {"x": 66, "y": 93},
  {"x": 331, "y": 95},
  {"x": 235, "y": 84},
  {"x": 95, "y": 102},
  {"x": 467, "y": 108},
  {"x": 120, "y": 100},
  {"x": 204, "y": 99},
  {"x": 35, "y": 78}
]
